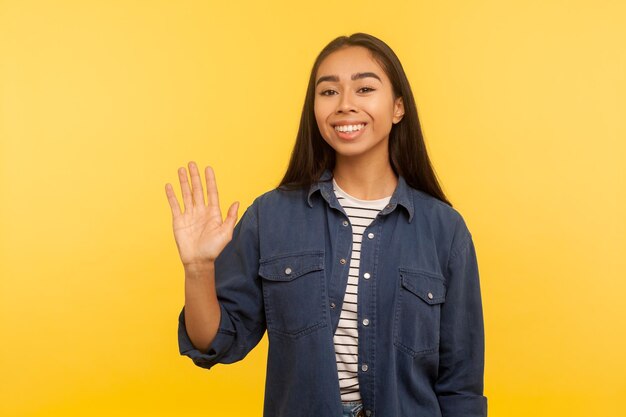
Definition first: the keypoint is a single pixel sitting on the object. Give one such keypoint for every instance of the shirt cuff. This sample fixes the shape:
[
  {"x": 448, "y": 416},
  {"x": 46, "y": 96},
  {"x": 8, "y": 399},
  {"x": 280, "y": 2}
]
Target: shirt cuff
[
  {"x": 218, "y": 348},
  {"x": 463, "y": 405}
]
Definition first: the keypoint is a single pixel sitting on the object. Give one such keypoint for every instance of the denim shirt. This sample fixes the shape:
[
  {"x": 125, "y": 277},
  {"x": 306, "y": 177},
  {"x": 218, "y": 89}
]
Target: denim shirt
[{"x": 421, "y": 349}]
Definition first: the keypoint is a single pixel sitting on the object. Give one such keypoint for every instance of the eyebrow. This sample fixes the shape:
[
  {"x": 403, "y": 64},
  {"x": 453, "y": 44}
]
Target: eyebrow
[{"x": 356, "y": 76}]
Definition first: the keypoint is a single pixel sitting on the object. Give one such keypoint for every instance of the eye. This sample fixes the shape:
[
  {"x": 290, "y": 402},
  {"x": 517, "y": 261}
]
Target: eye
[
  {"x": 366, "y": 89},
  {"x": 327, "y": 92}
]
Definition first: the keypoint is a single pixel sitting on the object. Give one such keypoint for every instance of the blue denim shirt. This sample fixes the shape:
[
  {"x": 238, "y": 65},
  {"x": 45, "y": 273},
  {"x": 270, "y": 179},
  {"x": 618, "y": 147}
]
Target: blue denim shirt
[{"x": 422, "y": 351}]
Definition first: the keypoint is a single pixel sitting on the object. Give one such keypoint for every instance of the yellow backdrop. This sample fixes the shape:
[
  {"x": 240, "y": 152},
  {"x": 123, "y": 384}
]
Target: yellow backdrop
[{"x": 523, "y": 107}]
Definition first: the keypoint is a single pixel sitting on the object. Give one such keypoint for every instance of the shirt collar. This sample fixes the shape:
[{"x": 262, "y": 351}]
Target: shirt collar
[{"x": 400, "y": 196}]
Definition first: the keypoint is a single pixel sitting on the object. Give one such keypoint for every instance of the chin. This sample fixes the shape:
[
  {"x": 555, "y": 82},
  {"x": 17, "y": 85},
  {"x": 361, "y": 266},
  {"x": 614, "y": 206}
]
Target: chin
[{"x": 349, "y": 152}]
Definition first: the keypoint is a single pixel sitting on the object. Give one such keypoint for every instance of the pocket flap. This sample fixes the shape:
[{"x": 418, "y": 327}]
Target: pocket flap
[
  {"x": 291, "y": 266},
  {"x": 426, "y": 285}
]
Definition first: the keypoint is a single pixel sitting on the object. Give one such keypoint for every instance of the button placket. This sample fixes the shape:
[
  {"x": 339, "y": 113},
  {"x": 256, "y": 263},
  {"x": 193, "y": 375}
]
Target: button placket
[{"x": 367, "y": 246}]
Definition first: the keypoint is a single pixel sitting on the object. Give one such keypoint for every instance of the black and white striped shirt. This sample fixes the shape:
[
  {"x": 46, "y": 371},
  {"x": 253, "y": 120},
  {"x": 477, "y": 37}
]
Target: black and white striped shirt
[{"x": 360, "y": 213}]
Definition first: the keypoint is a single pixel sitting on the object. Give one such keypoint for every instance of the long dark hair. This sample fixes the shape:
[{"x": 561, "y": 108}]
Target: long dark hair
[{"x": 311, "y": 154}]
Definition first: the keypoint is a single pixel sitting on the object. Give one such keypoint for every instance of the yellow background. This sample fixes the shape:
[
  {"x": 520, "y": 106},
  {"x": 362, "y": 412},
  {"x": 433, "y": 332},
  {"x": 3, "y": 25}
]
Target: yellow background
[{"x": 523, "y": 107}]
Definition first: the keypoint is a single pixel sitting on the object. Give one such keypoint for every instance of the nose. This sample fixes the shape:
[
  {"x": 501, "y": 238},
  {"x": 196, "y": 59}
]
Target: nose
[{"x": 346, "y": 104}]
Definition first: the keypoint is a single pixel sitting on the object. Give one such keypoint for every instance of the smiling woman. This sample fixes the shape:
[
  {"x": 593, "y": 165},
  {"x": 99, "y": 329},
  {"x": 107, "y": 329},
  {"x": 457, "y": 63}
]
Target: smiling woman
[
  {"x": 355, "y": 111},
  {"x": 360, "y": 270}
]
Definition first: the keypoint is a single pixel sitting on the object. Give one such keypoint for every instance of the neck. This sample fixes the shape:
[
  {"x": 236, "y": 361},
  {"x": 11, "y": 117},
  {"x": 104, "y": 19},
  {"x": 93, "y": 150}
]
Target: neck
[{"x": 365, "y": 180}]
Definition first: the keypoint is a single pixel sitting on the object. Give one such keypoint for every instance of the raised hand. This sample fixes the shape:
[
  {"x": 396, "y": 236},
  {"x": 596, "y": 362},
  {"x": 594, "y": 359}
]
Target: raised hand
[{"x": 200, "y": 232}]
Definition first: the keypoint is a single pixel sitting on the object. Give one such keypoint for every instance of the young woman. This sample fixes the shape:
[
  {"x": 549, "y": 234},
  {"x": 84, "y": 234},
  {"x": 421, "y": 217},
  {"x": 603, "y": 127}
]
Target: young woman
[{"x": 357, "y": 266}]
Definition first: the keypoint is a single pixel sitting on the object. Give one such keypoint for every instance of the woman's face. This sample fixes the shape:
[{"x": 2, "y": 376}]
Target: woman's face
[{"x": 354, "y": 105}]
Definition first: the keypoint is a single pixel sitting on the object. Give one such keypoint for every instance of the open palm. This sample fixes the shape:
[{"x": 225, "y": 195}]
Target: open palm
[{"x": 200, "y": 232}]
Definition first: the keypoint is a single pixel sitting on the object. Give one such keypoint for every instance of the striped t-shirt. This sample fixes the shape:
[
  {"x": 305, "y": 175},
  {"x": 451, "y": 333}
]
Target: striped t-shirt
[{"x": 360, "y": 213}]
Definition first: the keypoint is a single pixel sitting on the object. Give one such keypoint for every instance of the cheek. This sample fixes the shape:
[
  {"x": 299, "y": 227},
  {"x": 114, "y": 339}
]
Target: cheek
[
  {"x": 320, "y": 118},
  {"x": 382, "y": 111}
]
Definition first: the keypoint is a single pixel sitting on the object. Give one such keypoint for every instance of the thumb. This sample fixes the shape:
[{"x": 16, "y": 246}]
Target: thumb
[{"x": 231, "y": 217}]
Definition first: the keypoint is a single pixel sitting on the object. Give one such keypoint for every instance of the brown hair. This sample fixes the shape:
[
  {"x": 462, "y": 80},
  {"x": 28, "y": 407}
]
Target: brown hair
[{"x": 311, "y": 154}]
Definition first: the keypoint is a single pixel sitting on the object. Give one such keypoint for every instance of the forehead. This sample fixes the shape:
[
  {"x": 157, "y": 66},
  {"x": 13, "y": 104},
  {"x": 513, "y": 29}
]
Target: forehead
[{"x": 347, "y": 61}]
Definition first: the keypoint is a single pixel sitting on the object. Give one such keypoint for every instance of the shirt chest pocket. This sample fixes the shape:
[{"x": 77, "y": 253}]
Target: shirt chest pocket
[
  {"x": 294, "y": 293},
  {"x": 418, "y": 311}
]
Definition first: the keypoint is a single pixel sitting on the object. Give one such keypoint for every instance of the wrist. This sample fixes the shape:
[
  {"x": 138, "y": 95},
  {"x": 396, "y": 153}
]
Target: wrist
[{"x": 198, "y": 268}]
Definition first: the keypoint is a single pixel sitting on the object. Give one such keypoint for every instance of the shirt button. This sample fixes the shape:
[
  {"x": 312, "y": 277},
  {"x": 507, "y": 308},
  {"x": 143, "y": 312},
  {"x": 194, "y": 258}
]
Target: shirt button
[
  {"x": 364, "y": 367},
  {"x": 332, "y": 305},
  {"x": 366, "y": 275},
  {"x": 366, "y": 322},
  {"x": 342, "y": 261},
  {"x": 345, "y": 223},
  {"x": 368, "y": 413},
  {"x": 430, "y": 295},
  {"x": 288, "y": 271},
  {"x": 370, "y": 235}
]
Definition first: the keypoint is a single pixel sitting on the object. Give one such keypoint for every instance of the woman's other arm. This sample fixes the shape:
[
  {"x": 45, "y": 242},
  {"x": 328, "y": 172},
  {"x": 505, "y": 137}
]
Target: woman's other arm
[{"x": 459, "y": 385}]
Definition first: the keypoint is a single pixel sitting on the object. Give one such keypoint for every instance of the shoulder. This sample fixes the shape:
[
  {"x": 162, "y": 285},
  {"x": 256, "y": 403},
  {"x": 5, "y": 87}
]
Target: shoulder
[
  {"x": 432, "y": 207},
  {"x": 442, "y": 219},
  {"x": 279, "y": 197},
  {"x": 278, "y": 203}
]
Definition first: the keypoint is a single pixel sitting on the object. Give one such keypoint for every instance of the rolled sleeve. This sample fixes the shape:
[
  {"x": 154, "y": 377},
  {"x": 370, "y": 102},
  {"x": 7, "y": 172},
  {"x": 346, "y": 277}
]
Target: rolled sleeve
[
  {"x": 240, "y": 296},
  {"x": 459, "y": 385},
  {"x": 219, "y": 347}
]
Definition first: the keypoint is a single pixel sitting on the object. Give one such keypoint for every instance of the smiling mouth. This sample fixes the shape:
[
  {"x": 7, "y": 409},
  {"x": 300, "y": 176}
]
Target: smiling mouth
[
  {"x": 350, "y": 132},
  {"x": 349, "y": 128}
]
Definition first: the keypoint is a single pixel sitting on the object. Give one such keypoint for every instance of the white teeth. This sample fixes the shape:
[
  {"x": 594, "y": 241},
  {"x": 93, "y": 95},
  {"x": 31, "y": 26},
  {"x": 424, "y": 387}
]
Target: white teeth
[{"x": 349, "y": 128}]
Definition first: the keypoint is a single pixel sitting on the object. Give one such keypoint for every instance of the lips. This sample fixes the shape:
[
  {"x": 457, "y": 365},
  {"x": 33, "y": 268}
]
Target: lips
[
  {"x": 349, "y": 128},
  {"x": 349, "y": 131}
]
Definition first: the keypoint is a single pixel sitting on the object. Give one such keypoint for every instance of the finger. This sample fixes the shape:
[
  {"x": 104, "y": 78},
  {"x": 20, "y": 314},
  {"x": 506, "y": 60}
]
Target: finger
[
  {"x": 211, "y": 191},
  {"x": 231, "y": 217},
  {"x": 184, "y": 187},
  {"x": 169, "y": 192},
  {"x": 196, "y": 184}
]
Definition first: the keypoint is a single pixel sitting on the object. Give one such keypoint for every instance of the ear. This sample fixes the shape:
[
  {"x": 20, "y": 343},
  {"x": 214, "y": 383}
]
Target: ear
[{"x": 398, "y": 110}]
